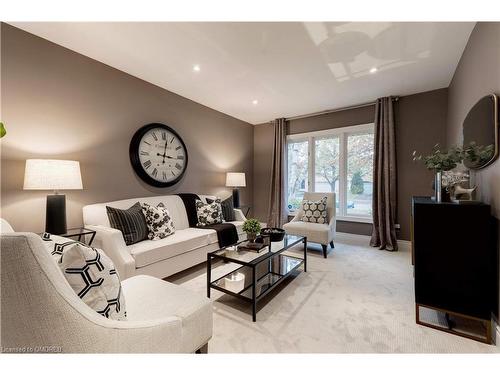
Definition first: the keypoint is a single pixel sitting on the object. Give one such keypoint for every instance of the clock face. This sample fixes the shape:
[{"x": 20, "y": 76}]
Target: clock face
[{"x": 158, "y": 155}]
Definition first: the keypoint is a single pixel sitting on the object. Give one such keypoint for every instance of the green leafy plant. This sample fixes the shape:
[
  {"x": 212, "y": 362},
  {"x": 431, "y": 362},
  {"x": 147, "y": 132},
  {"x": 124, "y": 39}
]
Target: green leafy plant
[
  {"x": 441, "y": 160},
  {"x": 2, "y": 130},
  {"x": 251, "y": 226},
  {"x": 357, "y": 186}
]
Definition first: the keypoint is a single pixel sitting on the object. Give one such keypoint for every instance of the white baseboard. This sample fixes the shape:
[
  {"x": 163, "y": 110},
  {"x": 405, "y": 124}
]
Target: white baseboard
[{"x": 403, "y": 245}]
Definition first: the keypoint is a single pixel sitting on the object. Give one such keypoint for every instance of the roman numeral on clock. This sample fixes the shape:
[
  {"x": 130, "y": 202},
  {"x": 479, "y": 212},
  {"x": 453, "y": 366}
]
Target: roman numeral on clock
[
  {"x": 164, "y": 175},
  {"x": 178, "y": 166},
  {"x": 154, "y": 136},
  {"x": 180, "y": 157},
  {"x": 164, "y": 136},
  {"x": 155, "y": 172},
  {"x": 147, "y": 164},
  {"x": 144, "y": 153},
  {"x": 178, "y": 148}
]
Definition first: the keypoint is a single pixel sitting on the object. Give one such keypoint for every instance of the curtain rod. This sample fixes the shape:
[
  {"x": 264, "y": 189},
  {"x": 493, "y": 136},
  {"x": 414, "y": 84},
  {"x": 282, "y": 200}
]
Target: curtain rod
[{"x": 394, "y": 98}]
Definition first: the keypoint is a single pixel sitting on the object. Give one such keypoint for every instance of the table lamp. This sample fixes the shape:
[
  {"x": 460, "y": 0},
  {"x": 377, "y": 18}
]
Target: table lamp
[
  {"x": 235, "y": 180},
  {"x": 42, "y": 174}
]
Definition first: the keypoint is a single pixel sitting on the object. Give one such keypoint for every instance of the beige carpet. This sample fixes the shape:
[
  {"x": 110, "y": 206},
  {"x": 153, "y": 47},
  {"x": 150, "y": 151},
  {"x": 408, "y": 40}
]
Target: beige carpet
[{"x": 359, "y": 300}]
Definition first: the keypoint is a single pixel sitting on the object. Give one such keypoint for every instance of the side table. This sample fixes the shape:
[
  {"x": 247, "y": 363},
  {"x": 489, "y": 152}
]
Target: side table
[{"x": 80, "y": 232}]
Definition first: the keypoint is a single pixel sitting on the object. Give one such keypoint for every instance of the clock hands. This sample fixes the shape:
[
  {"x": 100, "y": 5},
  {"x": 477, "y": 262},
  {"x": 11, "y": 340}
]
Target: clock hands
[
  {"x": 165, "y": 151},
  {"x": 166, "y": 156}
]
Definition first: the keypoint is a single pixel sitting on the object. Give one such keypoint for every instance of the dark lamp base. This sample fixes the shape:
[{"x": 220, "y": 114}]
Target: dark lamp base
[
  {"x": 236, "y": 198},
  {"x": 55, "y": 217}
]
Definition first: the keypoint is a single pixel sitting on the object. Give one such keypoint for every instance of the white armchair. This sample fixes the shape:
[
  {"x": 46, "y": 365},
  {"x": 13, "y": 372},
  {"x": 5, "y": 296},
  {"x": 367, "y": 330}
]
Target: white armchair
[
  {"x": 41, "y": 312},
  {"x": 319, "y": 233}
]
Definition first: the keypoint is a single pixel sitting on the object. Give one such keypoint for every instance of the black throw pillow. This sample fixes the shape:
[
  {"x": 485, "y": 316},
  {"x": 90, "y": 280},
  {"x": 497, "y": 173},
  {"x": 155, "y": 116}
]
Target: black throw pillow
[
  {"x": 227, "y": 208},
  {"x": 131, "y": 222}
]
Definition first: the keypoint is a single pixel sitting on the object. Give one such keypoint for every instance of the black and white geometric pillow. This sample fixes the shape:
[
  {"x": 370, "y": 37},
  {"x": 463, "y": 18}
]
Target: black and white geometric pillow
[
  {"x": 160, "y": 224},
  {"x": 209, "y": 213},
  {"x": 91, "y": 274},
  {"x": 314, "y": 211}
]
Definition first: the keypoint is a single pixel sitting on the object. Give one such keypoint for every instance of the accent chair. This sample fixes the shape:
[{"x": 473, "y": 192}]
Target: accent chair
[
  {"x": 318, "y": 233},
  {"x": 41, "y": 310}
]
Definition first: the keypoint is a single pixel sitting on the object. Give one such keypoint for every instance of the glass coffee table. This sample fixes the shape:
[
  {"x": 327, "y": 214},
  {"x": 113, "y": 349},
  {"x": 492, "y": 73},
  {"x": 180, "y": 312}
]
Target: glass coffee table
[{"x": 260, "y": 272}]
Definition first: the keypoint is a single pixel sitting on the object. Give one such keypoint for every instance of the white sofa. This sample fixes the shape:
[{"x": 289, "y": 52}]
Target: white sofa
[
  {"x": 42, "y": 313},
  {"x": 319, "y": 233},
  {"x": 187, "y": 247}
]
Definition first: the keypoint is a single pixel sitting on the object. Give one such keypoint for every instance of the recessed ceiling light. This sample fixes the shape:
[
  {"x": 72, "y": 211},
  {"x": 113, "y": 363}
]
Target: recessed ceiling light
[
  {"x": 255, "y": 102},
  {"x": 373, "y": 70},
  {"x": 196, "y": 68}
]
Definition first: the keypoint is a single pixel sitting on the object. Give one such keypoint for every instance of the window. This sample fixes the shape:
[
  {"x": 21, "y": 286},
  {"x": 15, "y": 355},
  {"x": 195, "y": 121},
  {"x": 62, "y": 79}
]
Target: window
[
  {"x": 298, "y": 172},
  {"x": 337, "y": 160}
]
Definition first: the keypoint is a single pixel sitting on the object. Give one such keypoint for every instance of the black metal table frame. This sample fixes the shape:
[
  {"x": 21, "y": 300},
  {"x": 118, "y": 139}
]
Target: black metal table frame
[
  {"x": 253, "y": 266},
  {"x": 85, "y": 231}
]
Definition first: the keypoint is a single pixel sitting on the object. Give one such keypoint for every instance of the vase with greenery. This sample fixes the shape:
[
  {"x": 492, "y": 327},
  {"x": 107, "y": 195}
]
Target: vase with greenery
[
  {"x": 252, "y": 228},
  {"x": 439, "y": 161}
]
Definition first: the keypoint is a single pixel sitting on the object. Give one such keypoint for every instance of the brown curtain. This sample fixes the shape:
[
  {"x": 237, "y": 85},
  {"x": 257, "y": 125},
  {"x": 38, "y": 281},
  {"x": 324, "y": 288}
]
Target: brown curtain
[
  {"x": 277, "y": 205},
  {"x": 385, "y": 177}
]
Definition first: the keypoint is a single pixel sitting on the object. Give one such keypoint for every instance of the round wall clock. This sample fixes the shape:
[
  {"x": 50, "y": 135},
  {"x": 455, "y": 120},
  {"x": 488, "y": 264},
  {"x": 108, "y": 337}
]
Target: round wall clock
[{"x": 158, "y": 155}]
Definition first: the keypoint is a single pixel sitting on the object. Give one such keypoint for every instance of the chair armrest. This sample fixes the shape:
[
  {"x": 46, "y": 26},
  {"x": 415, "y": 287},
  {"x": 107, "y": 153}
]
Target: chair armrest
[
  {"x": 111, "y": 241},
  {"x": 297, "y": 217},
  {"x": 238, "y": 215},
  {"x": 332, "y": 224}
]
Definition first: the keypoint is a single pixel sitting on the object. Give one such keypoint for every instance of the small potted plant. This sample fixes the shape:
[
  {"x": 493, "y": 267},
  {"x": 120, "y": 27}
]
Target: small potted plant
[
  {"x": 252, "y": 228},
  {"x": 440, "y": 161}
]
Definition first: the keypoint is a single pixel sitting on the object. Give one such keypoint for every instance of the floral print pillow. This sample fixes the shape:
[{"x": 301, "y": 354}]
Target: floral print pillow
[
  {"x": 160, "y": 224},
  {"x": 209, "y": 213}
]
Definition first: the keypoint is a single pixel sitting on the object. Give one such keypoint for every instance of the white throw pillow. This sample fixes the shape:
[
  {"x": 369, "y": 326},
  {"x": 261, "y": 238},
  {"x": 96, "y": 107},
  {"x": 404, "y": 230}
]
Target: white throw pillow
[
  {"x": 209, "y": 213},
  {"x": 159, "y": 221},
  {"x": 314, "y": 211},
  {"x": 91, "y": 274}
]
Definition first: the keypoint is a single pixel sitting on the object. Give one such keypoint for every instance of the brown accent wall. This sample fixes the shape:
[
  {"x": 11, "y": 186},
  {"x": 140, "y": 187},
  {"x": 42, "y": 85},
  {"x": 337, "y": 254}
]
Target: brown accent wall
[
  {"x": 421, "y": 123},
  {"x": 59, "y": 104},
  {"x": 477, "y": 74}
]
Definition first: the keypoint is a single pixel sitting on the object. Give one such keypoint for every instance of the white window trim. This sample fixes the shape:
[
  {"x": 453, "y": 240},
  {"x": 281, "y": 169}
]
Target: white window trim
[{"x": 342, "y": 133}]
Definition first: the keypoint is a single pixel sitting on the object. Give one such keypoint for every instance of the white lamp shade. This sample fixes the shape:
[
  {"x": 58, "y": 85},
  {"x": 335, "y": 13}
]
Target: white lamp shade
[
  {"x": 235, "y": 179},
  {"x": 41, "y": 174}
]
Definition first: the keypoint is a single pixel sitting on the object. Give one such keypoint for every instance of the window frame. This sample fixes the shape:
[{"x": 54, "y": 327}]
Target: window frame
[{"x": 342, "y": 133}]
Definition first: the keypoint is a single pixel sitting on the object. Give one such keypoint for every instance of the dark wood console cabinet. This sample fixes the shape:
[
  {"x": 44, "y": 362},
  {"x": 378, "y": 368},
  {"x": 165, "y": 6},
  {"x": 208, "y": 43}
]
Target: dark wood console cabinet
[{"x": 455, "y": 262}]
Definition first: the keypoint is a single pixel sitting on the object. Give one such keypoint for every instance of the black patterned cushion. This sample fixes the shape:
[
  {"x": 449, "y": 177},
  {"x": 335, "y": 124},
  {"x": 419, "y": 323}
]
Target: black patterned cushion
[
  {"x": 227, "y": 208},
  {"x": 314, "y": 211},
  {"x": 209, "y": 213},
  {"x": 131, "y": 222},
  {"x": 159, "y": 221},
  {"x": 91, "y": 274}
]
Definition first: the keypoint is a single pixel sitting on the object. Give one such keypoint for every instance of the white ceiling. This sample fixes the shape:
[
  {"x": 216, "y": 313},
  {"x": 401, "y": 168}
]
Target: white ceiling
[{"x": 290, "y": 68}]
